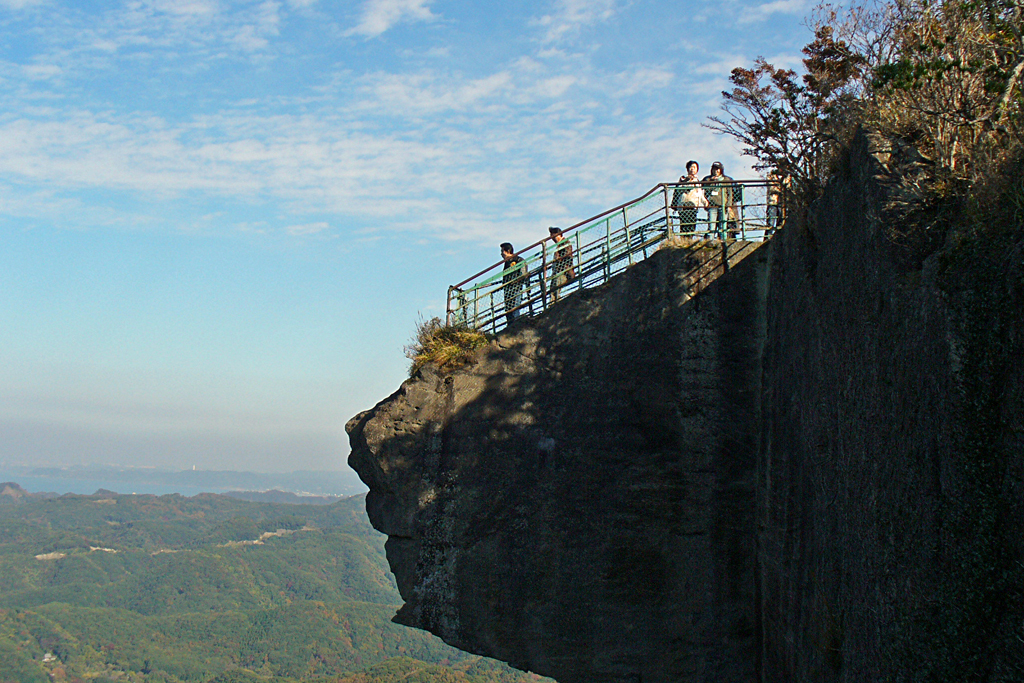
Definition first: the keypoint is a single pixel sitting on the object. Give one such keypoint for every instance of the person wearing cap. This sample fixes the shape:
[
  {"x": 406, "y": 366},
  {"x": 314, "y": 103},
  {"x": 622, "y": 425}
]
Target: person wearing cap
[
  {"x": 689, "y": 197},
  {"x": 718, "y": 189},
  {"x": 512, "y": 280},
  {"x": 561, "y": 265}
]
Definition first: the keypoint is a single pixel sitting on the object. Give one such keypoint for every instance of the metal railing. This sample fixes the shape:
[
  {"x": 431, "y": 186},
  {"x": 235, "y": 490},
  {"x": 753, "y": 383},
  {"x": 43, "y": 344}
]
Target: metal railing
[{"x": 607, "y": 244}]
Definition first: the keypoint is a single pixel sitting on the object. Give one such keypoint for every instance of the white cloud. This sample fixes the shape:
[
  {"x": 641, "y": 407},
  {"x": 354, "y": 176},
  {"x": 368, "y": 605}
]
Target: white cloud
[
  {"x": 438, "y": 152},
  {"x": 104, "y": 45},
  {"x": 569, "y": 16},
  {"x": 467, "y": 178},
  {"x": 721, "y": 66},
  {"x": 38, "y": 72},
  {"x": 425, "y": 93},
  {"x": 429, "y": 93},
  {"x": 185, "y": 36},
  {"x": 308, "y": 228},
  {"x": 553, "y": 87},
  {"x": 185, "y": 8},
  {"x": 760, "y": 13},
  {"x": 19, "y": 4},
  {"x": 380, "y": 15},
  {"x": 254, "y": 33}
]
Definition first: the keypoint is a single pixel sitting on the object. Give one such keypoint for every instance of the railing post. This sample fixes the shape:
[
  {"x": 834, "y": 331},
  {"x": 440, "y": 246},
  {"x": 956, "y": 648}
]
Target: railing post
[
  {"x": 783, "y": 209},
  {"x": 607, "y": 249},
  {"x": 476, "y": 305},
  {"x": 543, "y": 275},
  {"x": 629, "y": 242},
  {"x": 743, "y": 221},
  {"x": 448, "y": 317},
  {"x": 494, "y": 317},
  {"x": 668, "y": 214},
  {"x": 579, "y": 259}
]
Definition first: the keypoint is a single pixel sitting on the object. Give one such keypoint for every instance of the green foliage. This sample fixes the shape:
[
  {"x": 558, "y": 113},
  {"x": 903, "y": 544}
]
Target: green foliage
[
  {"x": 405, "y": 670},
  {"x": 953, "y": 82},
  {"x": 290, "y": 522},
  {"x": 446, "y": 346},
  {"x": 797, "y": 127},
  {"x": 171, "y": 589},
  {"x": 244, "y": 676},
  {"x": 235, "y": 529},
  {"x": 943, "y": 76},
  {"x": 18, "y": 657}
]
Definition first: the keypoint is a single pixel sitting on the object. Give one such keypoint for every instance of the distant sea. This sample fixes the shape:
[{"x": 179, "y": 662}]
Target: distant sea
[{"x": 88, "y": 480}]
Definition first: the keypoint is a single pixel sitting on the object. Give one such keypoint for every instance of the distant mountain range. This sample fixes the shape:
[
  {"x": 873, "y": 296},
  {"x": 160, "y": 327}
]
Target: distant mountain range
[
  {"x": 12, "y": 493},
  {"x": 331, "y": 484},
  {"x": 276, "y": 496}
]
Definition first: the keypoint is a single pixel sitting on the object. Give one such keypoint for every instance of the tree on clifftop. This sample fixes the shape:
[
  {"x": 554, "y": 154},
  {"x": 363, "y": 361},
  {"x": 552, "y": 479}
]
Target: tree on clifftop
[{"x": 945, "y": 75}]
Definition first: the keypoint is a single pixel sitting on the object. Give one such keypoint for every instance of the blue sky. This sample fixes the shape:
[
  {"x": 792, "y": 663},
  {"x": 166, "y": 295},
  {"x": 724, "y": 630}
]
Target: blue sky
[{"x": 221, "y": 219}]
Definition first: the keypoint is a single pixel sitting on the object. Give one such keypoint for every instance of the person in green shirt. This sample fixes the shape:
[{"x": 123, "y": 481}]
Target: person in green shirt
[
  {"x": 513, "y": 280},
  {"x": 561, "y": 265}
]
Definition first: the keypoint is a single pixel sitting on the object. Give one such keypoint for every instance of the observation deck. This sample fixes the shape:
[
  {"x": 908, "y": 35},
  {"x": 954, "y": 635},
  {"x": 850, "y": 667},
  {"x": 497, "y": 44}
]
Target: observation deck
[{"x": 738, "y": 215}]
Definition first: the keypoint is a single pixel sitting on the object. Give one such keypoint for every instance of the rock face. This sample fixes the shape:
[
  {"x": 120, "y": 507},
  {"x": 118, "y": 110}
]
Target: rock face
[
  {"x": 579, "y": 502},
  {"x": 891, "y": 506},
  {"x": 805, "y": 467}
]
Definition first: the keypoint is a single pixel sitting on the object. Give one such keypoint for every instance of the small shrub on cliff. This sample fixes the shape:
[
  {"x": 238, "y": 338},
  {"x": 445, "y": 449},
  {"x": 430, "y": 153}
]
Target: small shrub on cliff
[{"x": 446, "y": 346}]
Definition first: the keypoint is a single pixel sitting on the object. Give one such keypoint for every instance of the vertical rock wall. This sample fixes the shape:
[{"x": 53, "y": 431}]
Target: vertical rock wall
[{"x": 889, "y": 479}]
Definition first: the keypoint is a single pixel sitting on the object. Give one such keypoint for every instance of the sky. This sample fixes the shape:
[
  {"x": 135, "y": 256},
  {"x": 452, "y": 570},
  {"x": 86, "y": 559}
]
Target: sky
[{"x": 220, "y": 220}]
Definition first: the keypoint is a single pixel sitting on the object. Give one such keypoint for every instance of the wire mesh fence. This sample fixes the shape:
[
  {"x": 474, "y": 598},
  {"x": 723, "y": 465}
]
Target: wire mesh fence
[{"x": 593, "y": 251}]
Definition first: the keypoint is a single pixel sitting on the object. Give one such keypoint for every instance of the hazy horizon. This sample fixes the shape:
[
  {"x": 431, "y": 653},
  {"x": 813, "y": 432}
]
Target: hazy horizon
[
  {"x": 86, "y": 480},
  {"x": 4, "y": 464}
]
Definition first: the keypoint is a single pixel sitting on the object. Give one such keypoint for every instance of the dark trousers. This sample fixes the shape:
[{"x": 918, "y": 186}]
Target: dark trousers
[
  {"x": 773, "y": 216},
  {"x": 512, "y": 300},
  {"x": 687, "y": 219},
  {"x": 716, "y": 221}
]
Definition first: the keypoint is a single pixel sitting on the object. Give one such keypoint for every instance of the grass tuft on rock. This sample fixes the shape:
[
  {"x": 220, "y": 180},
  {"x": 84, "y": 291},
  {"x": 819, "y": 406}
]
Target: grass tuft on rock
[{"x": 446, "y": 346}]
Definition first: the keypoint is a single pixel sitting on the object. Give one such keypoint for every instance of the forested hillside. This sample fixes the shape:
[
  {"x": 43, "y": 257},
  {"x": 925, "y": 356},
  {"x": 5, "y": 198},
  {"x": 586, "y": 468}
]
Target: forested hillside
[{"x": 209, "y": 588}]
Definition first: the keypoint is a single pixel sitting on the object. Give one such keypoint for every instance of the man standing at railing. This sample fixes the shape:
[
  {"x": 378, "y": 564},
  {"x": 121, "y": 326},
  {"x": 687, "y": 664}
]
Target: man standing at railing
[
  {"x": 513, "y": 280},
  {"x": 718, "y": 188},
  {"x": 561, "y": 265}
]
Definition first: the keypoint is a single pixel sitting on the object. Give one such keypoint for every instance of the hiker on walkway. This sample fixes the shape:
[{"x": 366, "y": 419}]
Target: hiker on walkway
[
  {"x": 562, "y": 272},
  {"x": 689, "y": 197},
  {"x": 774, "y": 213},
  {"x": 718, "y": 188},
  {"x": 513, "y": 280}
]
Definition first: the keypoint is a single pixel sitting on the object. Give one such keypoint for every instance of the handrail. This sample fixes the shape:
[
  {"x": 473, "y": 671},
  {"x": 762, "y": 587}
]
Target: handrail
[
  {"x": 745, "y": 209},
  {"x": 565, "y": 230}
]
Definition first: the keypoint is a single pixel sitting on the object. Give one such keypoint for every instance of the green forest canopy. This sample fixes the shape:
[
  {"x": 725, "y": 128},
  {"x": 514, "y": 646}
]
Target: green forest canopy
[{"x": 207, "y": 589}]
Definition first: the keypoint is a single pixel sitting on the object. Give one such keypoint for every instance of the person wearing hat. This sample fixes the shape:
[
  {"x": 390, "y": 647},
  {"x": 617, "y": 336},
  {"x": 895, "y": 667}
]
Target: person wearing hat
[
  {"x": 562, "y": 272},
  {"x": 718, "y": 188}
]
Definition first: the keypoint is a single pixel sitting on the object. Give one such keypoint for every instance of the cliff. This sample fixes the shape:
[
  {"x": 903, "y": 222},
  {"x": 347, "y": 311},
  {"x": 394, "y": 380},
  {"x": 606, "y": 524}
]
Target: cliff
[{"x": 804, "y": 467}]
